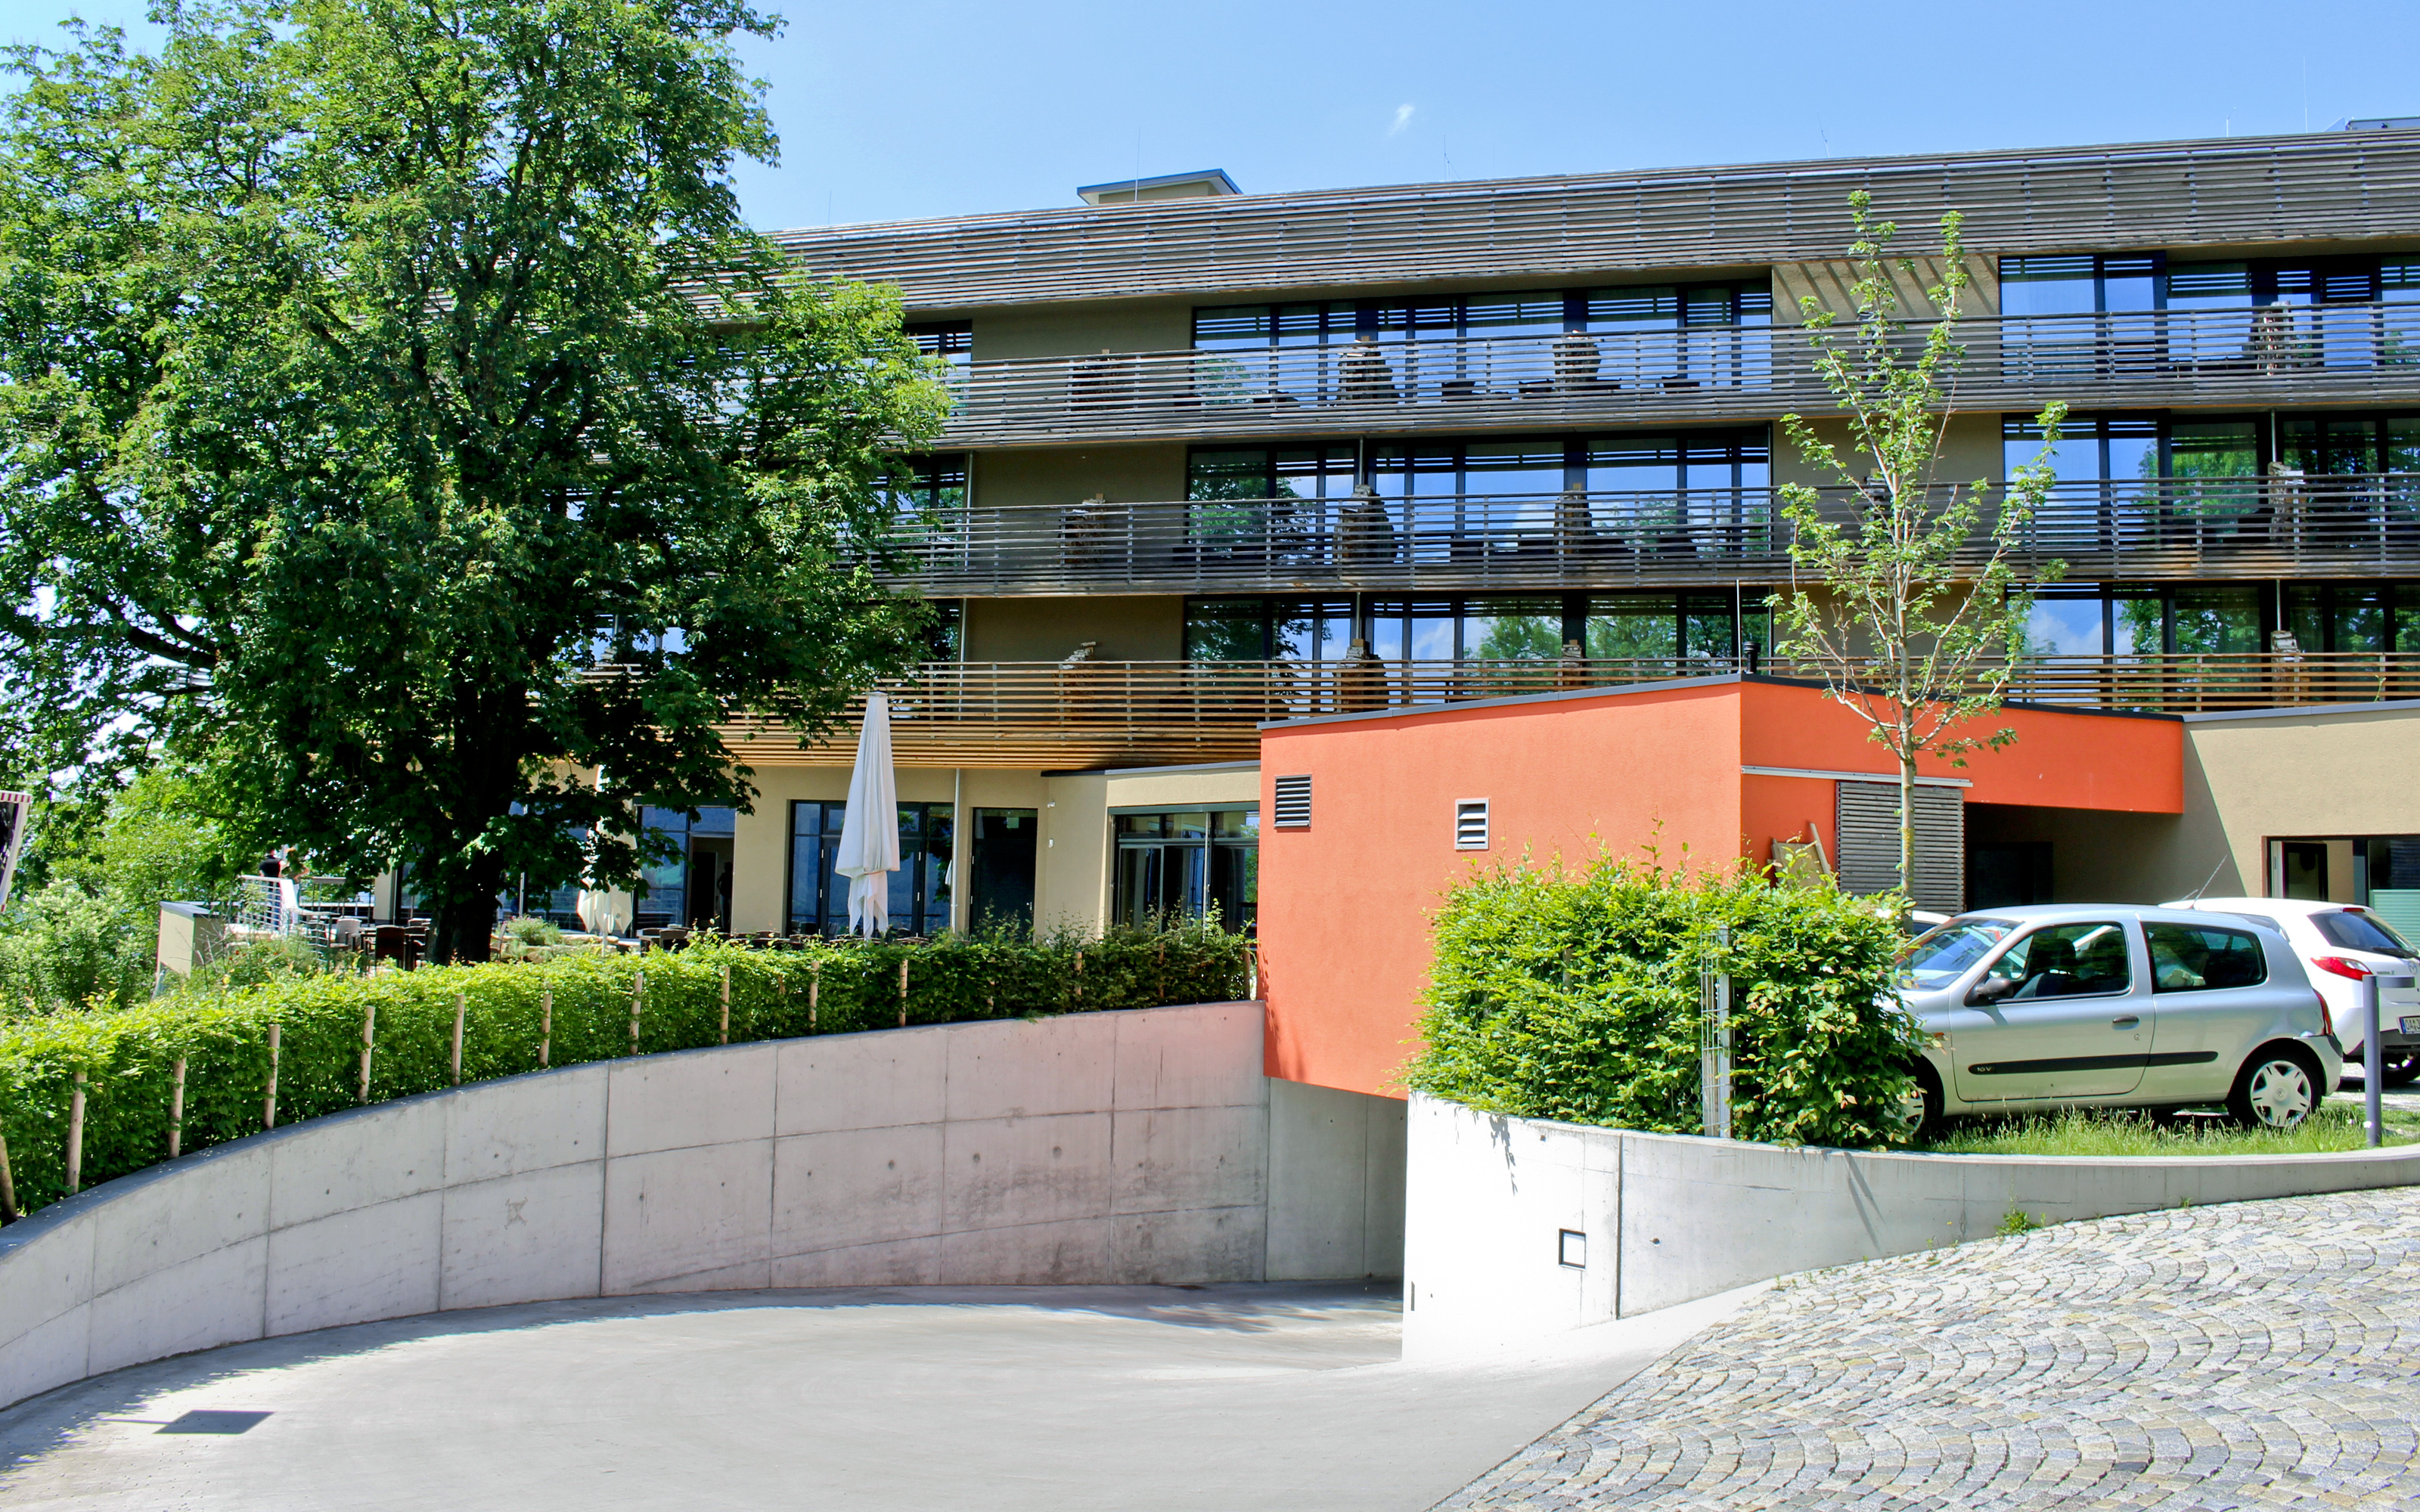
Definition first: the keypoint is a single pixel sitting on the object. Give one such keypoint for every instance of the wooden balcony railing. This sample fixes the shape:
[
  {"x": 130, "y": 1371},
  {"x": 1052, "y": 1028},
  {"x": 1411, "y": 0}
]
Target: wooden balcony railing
[
  {"x": 1028, "y": 714},
  {"x": 2333, "y": 353},
  {"x": 2288, "y": 525}
]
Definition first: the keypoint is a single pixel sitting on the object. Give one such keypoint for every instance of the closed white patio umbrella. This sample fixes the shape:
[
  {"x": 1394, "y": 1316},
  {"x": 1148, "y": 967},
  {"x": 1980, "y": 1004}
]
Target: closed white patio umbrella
[{"x": 869, "y": 831}]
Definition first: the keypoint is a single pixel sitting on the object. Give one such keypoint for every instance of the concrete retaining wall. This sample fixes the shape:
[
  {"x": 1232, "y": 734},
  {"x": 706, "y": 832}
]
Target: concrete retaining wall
[
  {"x": 1103, "y": 1147},
  {"x": 1662, "y": 1219}
]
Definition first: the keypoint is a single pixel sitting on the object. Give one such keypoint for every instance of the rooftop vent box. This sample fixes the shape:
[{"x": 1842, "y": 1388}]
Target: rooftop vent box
[
  {"x": 1206, "y": 184},
  {"x": 2380, "y": 123}
]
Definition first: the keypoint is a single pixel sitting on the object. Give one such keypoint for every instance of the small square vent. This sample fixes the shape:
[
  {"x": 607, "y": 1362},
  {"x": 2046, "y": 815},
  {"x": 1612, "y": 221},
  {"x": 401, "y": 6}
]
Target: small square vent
[
  {"x": 1470, "y": 824},
  {"x": 1293, "y": 803}
]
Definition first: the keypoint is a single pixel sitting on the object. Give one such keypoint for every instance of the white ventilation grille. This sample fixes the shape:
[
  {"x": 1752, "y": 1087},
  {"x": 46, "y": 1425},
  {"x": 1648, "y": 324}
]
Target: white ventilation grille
[
  {"x": 1869, "y": 843},
  {"x": 1293, "y": 803},
  {"x": 1470, "y": 824}
]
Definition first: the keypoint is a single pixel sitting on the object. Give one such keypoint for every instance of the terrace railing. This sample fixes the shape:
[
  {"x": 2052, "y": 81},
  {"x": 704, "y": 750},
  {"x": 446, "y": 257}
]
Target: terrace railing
[
  {"x": 2339, "y": 353},
  {"x": 2285, "y": 524},
  {"x": 1024, "y": 715}
]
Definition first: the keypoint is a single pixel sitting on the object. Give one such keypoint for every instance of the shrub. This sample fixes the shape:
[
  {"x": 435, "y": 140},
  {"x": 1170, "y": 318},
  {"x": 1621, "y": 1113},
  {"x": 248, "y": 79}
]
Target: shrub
[
  {"x": 533, "y": 931},
  {"x": 1575, "y": 997},
  {"x": 221, "y": 1034},
  {"x": 64, "y": 947}
]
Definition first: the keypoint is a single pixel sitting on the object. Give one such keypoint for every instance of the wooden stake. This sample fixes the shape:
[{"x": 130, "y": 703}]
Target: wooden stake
[
  {"x": 815, "y": 993},
  {"x": 638, "y": 990},
  {"x": 369, "y": 1026},
  {"x": 545, "y": 1024},
  {"x": 269, "y": 1103},
  {"x": 176, "y": 1110},
  {"x": 461, "y": 1007},
  {"x": 1079, "y": 979},
  {"x": 903, "y": 992},
  {"x": 8, "y": 1188},
  {"x": 75, "y": 1137},
  {"x": 726, "y": 1003}
]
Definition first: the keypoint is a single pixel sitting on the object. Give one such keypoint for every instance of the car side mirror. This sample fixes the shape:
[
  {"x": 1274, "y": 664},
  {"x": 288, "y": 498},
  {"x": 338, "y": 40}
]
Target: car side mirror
[{"x": 1991, "y": 990}]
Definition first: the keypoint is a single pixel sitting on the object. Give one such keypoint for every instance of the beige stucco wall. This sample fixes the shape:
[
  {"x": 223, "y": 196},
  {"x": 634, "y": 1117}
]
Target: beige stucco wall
[
  {"x": 1073, "y": 888},
  {"x": 1074, "y": 330},
  {"x": 2308, "y": 774},
  {"x": 1059, "y": 479},
  {"x": 1970, "y": 449},
  {"x": 1127, "y": 627}
]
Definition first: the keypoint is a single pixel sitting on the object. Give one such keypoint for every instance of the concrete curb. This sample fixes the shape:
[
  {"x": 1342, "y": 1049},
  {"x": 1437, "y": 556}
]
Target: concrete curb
[{"x": 1654, "y": 1220}]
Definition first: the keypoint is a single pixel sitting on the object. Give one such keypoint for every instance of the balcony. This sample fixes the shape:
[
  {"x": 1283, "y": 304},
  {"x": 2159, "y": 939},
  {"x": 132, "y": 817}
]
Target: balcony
[
  {"x": 1047, "y": 714},
  {"x": 2348, "y": 354},
  {"x": 2286, "y": 525}
]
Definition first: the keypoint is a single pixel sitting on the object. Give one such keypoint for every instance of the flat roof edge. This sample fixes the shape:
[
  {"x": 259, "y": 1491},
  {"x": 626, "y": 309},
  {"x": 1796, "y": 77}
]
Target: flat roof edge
[
  {"x": 1560, "y": 695},
  {"x": 2303, "y": 711}
]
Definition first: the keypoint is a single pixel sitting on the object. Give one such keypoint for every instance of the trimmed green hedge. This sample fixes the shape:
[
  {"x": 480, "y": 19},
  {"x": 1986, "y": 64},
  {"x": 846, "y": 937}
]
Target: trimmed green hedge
[
  {"x": 1575, "y": 997},
  {"x": 128, "y": 1056}
]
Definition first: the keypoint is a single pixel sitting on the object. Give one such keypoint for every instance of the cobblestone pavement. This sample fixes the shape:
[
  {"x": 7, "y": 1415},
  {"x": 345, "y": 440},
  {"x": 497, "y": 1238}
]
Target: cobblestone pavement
[{"x": 2260, "y": 1354}]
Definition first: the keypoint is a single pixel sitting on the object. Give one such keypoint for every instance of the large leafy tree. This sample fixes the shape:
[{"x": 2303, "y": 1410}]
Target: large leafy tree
[{"x": 398, "y": 418}]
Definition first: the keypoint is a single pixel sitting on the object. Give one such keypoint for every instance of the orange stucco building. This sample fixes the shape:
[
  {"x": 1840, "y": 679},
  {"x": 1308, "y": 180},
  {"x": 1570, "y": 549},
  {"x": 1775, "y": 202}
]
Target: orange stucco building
[{"x": 1714, "y": 769}]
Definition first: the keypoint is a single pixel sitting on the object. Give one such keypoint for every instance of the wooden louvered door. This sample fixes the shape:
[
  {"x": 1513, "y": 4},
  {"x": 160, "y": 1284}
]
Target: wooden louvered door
[{"x": 1867, "y": 821}]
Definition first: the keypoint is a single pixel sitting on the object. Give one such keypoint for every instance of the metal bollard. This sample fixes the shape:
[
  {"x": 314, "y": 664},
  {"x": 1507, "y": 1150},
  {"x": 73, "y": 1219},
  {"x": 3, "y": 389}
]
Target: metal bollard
[{"x": 2373, "y": 1058}]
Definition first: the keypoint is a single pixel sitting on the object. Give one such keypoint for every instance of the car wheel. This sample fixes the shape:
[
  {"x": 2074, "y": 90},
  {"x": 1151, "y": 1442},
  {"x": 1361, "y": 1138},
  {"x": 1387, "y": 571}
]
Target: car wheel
[
  {"x": 1920, "y": 1111},
  {"x": 2276, "y": 1090},
  {"x": 2401, "y": 1069}
]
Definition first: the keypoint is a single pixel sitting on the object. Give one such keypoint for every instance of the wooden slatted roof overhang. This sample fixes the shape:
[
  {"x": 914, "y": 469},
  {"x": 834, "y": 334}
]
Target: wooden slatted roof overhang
[{"x": 2242, "y": 192}]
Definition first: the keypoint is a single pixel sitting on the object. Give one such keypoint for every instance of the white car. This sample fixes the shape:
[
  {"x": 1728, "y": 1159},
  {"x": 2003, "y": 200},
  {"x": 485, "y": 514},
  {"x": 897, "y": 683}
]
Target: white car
[{"x": 2341, "y": 945}]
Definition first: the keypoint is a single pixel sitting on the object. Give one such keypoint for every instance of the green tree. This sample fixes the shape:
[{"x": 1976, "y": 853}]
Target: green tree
[
  {"x": 396, "y": 412},
  {"x": 1915, "y": 641}
]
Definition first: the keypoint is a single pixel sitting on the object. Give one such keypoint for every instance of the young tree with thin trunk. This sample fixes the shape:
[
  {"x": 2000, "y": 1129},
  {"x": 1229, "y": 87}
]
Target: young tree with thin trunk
[
  {"x": 398, "y": 418},
  {"x": 1901, "y": 597}
]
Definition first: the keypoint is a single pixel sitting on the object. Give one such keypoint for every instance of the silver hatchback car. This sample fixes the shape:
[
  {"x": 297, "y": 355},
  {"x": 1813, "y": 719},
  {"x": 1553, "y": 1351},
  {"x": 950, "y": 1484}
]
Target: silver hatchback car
[{"x": 2113, "y": 1006}]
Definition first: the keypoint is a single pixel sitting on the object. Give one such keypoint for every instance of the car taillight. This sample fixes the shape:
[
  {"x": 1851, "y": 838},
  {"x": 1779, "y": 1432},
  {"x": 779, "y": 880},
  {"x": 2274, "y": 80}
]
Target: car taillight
[
  {"x": 2357, "y": 970},
  {"x": 2327, "y": 1016}
]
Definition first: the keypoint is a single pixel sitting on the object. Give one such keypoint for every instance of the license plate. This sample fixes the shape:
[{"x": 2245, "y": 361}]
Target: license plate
[{"x": 2412, "y": 1025}]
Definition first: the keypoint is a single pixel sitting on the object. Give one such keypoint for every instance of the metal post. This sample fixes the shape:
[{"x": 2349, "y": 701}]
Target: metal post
[
  {"x": 75, "y": 1137},
  {"x": 269, "y": 1102},
  {"x": 903, "y": 992},
  {"x": 176, "y": 1111},
  {"x": 2373, "y": 1058},
  {"x": 545, "y": 1024},
  {"x": 461, "y": 1006},
  {"x": 726, "y": 1005},
  {"x": 1715, "y": 1043},
  {"x": 369, "y": 1028}
]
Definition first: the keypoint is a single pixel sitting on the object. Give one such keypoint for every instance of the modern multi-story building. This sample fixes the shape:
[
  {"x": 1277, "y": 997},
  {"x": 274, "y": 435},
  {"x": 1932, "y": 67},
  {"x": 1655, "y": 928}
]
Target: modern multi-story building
[{"x": 1223, "y": 458}]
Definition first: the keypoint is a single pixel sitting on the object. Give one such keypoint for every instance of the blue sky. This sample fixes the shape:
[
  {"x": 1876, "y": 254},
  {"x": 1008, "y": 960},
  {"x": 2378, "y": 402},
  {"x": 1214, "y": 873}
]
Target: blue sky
[{"x": 917, "y": 108}]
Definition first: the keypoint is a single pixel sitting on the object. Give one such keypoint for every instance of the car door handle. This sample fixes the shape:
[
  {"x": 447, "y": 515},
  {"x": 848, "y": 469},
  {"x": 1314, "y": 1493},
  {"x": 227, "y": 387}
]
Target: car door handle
[{"x": 2125, "y": 1023}]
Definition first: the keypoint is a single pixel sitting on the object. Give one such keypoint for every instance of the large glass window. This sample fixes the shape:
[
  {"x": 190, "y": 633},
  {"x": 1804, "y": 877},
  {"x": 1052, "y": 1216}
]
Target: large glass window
[
  {"x": 1267, "y": 629},
  {"x": 2353, "y": 616},
  {"x": 2269, "y": 315},
  {"x": 919, "y": 896},
  {"x": 1186, "y": 864},
  {"x": 691, "y": 886},
  {"x": 1228, "y": 524},
  {"x": 1707, "y": 627}
]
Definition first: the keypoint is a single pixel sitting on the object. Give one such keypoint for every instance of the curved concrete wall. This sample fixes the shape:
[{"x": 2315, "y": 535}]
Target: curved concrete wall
[
  {"x": 1119, "y": 1146},
  {"x": 1662, "y": 1219}
]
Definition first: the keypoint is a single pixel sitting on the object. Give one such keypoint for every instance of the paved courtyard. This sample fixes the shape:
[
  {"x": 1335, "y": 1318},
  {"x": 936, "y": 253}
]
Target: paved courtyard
[{"x": 2255, "y": 1355}]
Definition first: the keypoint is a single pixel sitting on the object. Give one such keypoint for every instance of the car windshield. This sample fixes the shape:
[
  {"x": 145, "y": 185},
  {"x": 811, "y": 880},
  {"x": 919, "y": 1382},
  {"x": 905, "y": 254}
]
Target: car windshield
[
  {"x": 1947, "y": 953},
  {"x": 2350, "y": 930}
]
